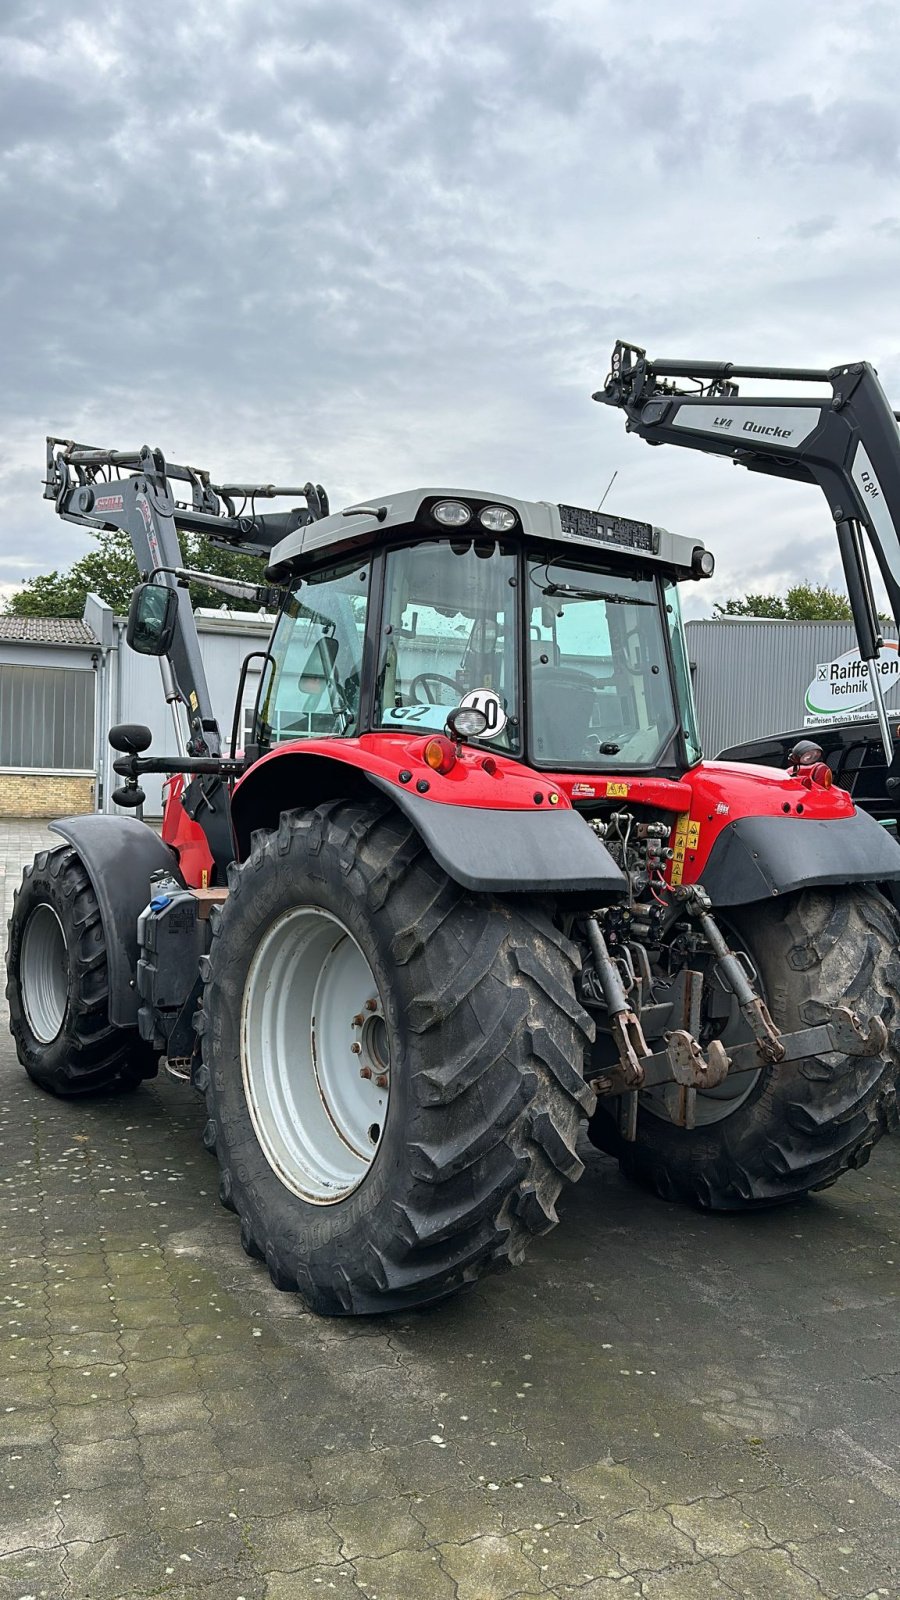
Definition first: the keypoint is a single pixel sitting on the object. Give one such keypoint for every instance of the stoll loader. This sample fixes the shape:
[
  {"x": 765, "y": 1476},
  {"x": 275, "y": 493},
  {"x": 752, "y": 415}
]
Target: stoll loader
[{"x": 468, "y": 884}]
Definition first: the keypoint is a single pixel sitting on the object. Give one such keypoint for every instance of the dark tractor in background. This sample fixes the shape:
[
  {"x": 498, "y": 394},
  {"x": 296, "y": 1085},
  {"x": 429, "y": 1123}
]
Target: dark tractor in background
[{"x": 853, "y": 752}]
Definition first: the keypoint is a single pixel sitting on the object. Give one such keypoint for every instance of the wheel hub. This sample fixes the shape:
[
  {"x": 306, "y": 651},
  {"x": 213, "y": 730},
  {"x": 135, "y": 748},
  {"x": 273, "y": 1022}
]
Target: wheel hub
[{"x": 315, "y": 1055}]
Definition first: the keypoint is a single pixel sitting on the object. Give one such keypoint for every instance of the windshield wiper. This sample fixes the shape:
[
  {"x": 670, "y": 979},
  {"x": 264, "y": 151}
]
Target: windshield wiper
[{"x": 574, "y": 593}]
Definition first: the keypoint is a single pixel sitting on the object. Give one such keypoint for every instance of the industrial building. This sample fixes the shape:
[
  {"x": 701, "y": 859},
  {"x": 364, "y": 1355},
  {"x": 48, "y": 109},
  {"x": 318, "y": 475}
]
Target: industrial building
[
  {"x": 64, "y": 682},
  {"x": 754, "y": 676}
]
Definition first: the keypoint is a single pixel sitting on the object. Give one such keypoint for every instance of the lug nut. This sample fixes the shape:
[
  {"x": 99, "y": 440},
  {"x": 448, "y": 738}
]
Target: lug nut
[
  {"x": 365, "y": 1072},
  {"x": 357, "y": 1020},
  {"x": 371, "y": 1005},
  {"x": 381, "y": 1080},
  {"x": 356, "y": 1047}
]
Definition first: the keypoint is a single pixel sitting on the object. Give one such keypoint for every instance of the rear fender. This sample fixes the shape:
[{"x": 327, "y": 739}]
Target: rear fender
[
  {"x": 119, "y": 855},
  {"x": 520, "y": 847},
  {"x": 753, "y": 832},
  {"x": 757, "y": 857}
]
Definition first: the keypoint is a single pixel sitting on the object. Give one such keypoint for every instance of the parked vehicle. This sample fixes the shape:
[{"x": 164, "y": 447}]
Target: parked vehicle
[{"x": 469, "y": 886}]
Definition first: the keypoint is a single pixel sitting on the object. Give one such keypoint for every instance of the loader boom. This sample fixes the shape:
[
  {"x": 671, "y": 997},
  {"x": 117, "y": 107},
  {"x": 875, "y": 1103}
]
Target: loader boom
[
  {"x": 132, "y": 492},
  {"x": 848, "y": 443}
]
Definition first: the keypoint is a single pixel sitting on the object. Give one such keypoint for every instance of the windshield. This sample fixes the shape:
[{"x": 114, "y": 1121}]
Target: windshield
[
  {"x": 601, "y": 692},
  {"x": 449, "y": 632},
  {"x": 317, "y": 649}
]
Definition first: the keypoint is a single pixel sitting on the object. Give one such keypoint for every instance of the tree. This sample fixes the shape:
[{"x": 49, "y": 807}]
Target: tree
[
  {"x": 804, "y": 602},
  {"x": 110, "y": 571}
]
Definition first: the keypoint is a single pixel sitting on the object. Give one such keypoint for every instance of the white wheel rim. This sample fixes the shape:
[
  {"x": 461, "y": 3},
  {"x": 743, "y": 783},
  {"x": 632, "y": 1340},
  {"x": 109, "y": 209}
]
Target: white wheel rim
[
  {"x": 44, "y": 973},
  {"x": 314, "y": 1055}
]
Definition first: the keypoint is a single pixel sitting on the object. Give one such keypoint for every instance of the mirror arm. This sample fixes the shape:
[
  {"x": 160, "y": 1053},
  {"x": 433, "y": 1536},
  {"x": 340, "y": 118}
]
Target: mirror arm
[{"x": 134, "y": 766}]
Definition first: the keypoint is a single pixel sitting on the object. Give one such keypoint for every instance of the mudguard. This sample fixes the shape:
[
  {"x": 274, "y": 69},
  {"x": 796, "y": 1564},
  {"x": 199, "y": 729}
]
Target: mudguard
[
  {"x": 512, "y": 852},
  {"x": 119, "y": 854},
  {"x": 757, "y": 857}
]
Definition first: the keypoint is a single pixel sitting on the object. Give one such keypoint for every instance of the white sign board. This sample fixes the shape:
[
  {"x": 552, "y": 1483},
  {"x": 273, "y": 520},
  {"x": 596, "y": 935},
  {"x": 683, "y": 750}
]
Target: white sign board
[{"x": 841, "y": 690}]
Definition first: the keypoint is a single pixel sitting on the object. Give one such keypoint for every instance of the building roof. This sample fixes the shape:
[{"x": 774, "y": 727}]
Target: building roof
[{"x": 45, "y": 630}]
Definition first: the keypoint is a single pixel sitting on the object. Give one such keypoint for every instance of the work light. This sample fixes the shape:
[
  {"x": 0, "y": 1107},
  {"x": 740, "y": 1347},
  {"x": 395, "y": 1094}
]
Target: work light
[
  {"x": 499, "y": 519},
  {"x": 466, "y": 722},
  {"x": 452, "y": 513}
]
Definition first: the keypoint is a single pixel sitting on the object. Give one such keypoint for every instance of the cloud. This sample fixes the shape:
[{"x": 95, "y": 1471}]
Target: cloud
[{"x": 381, "y": 246}]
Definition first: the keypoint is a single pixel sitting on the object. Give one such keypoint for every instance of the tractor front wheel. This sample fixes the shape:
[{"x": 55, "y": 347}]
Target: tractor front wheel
[
  {"x": 58, "y": 985},
  {"x": 393, "y": 1067},
  {"x": 771, "y": 1135}
]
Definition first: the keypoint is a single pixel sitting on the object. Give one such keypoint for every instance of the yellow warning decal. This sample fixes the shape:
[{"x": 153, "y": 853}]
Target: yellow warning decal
[
  {"x": 195, "y": 703},
  {"x": 616, "y": 791},
  {"x": 204, "y": 878},
  {"x": 686, "y": 837},
  {"x": 679, "y": 845}
]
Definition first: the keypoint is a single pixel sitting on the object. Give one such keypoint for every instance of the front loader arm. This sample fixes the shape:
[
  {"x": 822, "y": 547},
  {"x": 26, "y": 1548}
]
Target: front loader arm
[
  {"x": 140, "y": 503},
  {"x": 848, "y": 443},
  {"x": 131, "y": 492}
]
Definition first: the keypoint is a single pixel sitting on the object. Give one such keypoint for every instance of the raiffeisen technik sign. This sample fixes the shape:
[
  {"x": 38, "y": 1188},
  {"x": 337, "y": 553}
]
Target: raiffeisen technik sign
[{"x": 841, "y": 691}]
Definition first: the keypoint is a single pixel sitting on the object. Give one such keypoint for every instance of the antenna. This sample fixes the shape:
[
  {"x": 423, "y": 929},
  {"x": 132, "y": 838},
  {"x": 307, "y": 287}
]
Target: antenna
[{"x": 608, "y": 487}]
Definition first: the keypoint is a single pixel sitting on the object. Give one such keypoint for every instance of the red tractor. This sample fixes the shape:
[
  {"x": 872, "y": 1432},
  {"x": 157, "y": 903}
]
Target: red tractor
[{"x": 469, "y": 886}]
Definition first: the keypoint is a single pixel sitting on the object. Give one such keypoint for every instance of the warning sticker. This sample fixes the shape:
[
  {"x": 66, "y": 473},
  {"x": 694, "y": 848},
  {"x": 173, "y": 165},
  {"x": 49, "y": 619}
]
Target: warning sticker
[
  {"x": 684, "y": 839},
  {"x": 616, "y": 791}
]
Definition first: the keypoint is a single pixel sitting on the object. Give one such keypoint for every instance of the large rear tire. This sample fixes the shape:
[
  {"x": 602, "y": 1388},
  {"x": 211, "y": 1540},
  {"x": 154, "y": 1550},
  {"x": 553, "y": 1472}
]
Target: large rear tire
[
  {"x": 58, "y": 985},
  {"x": 344, "y": 949},
  {"x": 796, "y": 1127}
]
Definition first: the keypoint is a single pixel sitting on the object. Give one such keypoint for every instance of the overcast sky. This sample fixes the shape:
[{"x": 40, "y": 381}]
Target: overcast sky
[{"x": 384, "y": 243}]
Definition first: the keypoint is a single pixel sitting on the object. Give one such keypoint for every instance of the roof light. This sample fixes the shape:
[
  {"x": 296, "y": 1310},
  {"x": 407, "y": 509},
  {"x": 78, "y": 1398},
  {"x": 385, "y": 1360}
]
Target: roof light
[
  {"x": 499, "y": 519},
  {"x": 452, "y": 513},
  {"x": 822, "y": 774},
  {"x": 703, "y": 564}
]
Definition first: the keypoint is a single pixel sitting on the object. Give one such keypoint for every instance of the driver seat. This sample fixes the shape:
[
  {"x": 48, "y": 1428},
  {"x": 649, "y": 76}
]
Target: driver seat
[{"x": 561, "y": 716}]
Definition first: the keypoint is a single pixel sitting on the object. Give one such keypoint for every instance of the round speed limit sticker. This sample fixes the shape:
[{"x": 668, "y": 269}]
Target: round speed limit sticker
[{"x": 488, "y": 701}]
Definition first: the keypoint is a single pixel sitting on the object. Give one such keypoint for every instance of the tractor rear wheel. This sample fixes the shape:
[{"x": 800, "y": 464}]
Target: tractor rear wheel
[
  {"x": 393, "y": 1067},
  {"x": 772, "y": 1135},
  {"x": 58, "y": 985}
]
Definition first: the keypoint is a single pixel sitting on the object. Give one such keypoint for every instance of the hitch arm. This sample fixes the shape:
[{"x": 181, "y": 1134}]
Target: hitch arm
[
  {"x": 623, "y": 1023},
  {"x": 753, "y": 1008},
  {"x": 682, "y": 1062}
]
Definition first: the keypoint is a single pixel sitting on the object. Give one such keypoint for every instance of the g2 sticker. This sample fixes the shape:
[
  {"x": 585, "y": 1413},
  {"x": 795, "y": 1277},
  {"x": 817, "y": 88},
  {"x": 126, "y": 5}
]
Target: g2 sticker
[{"x": 488, "y": 701}]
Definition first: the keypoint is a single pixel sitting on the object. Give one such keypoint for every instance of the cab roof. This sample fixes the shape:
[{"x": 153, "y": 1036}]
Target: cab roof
[{"x": 383, "y": 519}]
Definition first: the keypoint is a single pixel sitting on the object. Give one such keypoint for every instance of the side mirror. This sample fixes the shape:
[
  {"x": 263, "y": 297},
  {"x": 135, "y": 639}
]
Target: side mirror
[
  {"x": 132, "y": 738},
  {"x": 152, "y": 619},
  {"x": 320, "y": 666}
]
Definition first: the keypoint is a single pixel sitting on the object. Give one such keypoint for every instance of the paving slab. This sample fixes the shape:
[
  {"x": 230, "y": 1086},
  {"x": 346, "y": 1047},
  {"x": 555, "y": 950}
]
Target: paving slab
[{"x": 659, "y": 1405}]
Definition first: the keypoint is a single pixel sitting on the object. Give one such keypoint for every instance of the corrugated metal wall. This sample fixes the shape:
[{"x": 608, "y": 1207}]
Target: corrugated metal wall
[
  {"x": 46, "y": 717},
  {"x": 751, "y": 676}
]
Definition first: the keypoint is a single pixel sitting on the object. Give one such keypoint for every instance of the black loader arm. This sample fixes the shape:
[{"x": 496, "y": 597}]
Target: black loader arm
[
  {"x": 846, "y": 441},
  {"x": 133, "y": 492}
]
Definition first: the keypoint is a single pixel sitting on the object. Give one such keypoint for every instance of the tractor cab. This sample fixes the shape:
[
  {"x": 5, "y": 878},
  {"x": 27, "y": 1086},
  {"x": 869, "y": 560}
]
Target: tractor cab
[{"x": 563, "y": 627}]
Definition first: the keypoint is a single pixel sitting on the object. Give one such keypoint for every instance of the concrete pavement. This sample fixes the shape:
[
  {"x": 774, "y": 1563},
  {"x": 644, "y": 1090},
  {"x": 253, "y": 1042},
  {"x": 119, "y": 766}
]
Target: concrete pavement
[{"x": 660, "y": 1404}]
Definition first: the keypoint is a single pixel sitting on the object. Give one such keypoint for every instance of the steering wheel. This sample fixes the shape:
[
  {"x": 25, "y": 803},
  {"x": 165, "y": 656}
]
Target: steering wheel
[{"x": 426, "y": 678}]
